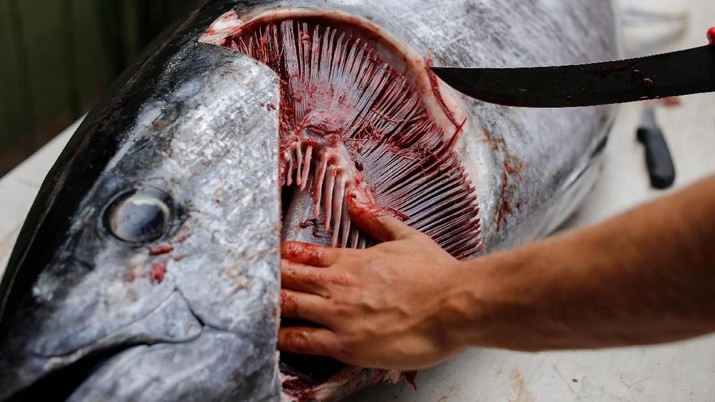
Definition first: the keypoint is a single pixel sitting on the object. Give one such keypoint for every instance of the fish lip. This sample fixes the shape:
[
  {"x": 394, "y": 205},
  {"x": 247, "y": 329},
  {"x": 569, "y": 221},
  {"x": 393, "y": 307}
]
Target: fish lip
[
  {"x": 68, "y": 372},
  {"x": 63, "y": 381}
]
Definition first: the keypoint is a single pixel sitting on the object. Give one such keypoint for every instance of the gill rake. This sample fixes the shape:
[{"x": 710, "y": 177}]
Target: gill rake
[{"x": 350, "y": 121}]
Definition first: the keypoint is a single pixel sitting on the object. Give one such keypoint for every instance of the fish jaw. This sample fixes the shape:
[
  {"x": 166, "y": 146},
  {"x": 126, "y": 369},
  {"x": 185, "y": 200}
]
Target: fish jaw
[
  {"x": 203, "y": 147},
  {"x": 206, "y": 368}
]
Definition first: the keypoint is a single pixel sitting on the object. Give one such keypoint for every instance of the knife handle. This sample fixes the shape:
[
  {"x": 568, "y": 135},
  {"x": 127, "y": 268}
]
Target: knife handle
[{"x": 657, "y": 155}]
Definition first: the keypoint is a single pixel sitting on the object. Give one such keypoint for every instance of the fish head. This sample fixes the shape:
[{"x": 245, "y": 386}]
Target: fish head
[{"x": 151, "y": 254}]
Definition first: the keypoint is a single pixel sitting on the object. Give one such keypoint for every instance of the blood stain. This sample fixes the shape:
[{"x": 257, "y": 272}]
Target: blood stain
[
  {"x": 158, "y": 271},
  {"x": 159, "y": 250}
]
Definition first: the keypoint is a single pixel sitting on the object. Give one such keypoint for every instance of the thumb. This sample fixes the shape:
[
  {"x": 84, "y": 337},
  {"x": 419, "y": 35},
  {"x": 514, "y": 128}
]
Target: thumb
[{"x": 374, "y": 220}]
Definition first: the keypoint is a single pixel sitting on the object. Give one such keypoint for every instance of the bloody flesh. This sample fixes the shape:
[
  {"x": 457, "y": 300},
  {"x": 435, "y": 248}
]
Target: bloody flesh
[
  {"x": 352, "y": 123},
  {"x": 158, "y": 271},
  {"x": 159, "y": 250}
]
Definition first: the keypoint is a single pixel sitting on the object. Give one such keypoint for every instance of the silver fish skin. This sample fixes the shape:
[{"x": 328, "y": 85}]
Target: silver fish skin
[
  {"x": 193, "y": 128},
  {"x": 192, "y": 314}
]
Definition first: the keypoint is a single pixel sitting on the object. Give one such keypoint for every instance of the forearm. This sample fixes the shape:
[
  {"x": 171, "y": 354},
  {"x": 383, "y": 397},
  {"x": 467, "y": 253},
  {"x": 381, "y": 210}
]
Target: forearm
[{"x": 646, "y": 276}]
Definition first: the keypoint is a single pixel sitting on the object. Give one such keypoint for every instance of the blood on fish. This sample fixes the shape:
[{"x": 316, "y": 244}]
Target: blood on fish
[
  {"x": 159, "y": 250},
  {"x": 457, "y": 131},
  {"x": 158, "y": 271},
  {"x": 512, "y": 167},
  {"x": 301, "y": 390},
  {"x": 315, "y": 224},
  {"x": 410, "y": 377},
  {"x": 399, "y": 214},
  {"x": 434, "y": 83}
]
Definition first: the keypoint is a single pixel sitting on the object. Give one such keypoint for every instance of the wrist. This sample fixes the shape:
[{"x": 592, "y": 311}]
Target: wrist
[
  {"x": 494, "y": 298},
  {"x": 464, "y": 309}
]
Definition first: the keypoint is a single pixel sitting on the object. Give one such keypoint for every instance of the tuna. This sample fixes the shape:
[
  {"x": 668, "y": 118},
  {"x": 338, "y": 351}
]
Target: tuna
[{"x": 148, "y": 266}]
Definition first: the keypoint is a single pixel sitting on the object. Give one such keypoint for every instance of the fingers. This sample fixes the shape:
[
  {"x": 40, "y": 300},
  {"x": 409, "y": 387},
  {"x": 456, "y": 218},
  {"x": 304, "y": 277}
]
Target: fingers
[
  {"x": 303, "y": 278},
  {"x": 309, "y": 254},
  {"x": 310, "y": 341},
  {"x": 375, "y": 221},
  {"x": 306, "y": 307}
]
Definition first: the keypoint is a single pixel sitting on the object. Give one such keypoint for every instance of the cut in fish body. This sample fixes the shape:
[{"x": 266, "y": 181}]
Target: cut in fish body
[{"x": 148, "y": 267}]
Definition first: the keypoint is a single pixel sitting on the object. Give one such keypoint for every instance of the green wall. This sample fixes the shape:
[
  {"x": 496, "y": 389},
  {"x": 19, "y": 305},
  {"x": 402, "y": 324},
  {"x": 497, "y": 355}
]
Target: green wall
[{"x": 58, "y": 56}]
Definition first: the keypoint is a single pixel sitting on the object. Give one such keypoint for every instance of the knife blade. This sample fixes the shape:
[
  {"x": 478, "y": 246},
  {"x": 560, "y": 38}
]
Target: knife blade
[{"x": 670, "y": 74}]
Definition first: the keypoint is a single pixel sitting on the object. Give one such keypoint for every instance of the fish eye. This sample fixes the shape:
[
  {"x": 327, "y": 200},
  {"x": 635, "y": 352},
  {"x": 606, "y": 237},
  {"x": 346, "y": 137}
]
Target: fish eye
[{"x": 139, "y": 216}]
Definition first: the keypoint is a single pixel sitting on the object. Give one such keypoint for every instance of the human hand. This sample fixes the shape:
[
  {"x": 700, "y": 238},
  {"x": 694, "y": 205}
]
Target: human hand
[{"x": 391, "y": 306}]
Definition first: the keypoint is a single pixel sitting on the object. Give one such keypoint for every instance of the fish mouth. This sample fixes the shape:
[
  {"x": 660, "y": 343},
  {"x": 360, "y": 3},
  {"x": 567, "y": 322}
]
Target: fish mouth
[
  {"x": 360, "y": 115},
  {"x": 64, "y": 381}
]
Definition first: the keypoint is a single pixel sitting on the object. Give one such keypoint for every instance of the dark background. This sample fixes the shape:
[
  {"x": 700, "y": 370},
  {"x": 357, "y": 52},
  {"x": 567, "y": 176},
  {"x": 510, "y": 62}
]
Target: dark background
[{"x": 57, "y": 57}]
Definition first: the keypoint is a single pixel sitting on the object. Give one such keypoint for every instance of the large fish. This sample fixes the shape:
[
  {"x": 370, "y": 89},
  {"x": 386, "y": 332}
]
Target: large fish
[{"x": 148, "y": 267}]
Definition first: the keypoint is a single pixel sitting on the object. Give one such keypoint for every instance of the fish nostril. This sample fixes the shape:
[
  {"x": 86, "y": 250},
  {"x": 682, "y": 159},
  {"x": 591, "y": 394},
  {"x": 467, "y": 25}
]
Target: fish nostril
[{"x": 139, "y": 216}]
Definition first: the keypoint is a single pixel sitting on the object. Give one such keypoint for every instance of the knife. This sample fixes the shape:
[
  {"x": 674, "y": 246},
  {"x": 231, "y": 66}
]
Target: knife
[
  {"x": 657, "y": 155},
  {"x": 670, "y": 74}
]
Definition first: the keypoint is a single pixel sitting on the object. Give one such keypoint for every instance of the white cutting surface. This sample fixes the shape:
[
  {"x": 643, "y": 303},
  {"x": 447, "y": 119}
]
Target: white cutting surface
[{"x": 683, "y": 371}]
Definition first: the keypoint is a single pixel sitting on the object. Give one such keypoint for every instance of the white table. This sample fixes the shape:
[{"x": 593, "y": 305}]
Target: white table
[{"x": 681, "y": 371}]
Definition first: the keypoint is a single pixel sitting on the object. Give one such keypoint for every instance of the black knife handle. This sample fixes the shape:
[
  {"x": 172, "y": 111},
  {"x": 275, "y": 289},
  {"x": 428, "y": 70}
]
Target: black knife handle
[{"x": 657, "y": 156}]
